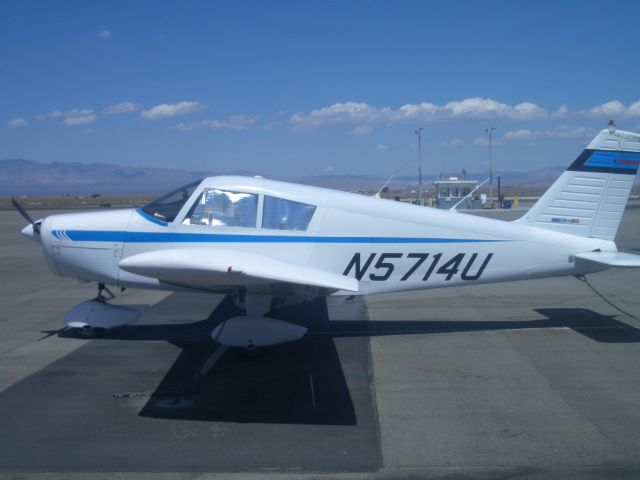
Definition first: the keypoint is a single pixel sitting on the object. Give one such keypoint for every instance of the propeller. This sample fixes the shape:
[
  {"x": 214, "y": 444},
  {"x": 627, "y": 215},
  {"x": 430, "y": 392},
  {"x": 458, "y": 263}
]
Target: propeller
[{"x": 27, "y": 217}]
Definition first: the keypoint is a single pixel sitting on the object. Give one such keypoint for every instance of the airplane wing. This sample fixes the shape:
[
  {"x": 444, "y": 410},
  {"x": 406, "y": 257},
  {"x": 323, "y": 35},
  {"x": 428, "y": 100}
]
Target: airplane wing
[
  {"x": 611, "y": 259},
  {"x": 208, "y": 268}
]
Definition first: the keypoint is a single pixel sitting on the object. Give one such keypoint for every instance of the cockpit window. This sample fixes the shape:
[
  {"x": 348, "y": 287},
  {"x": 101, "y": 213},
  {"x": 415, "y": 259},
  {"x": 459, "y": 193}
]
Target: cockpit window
[
  {"x": 280, "y": 214},
  {"x": 167, "y": 207},
  {"x": 219, "y": 208}
]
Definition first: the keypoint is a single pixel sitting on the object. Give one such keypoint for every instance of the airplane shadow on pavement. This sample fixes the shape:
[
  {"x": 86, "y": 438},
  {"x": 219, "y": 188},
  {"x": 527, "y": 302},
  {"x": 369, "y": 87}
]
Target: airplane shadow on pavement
[
  {"x": 310, "y": 381},
  {"x": 296, "y": 383}
]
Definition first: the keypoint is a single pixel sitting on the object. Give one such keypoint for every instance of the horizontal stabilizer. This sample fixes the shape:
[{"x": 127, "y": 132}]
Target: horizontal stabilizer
[
  {"x": 611, "y": 259},
  {"x": 214, "y": 268}
]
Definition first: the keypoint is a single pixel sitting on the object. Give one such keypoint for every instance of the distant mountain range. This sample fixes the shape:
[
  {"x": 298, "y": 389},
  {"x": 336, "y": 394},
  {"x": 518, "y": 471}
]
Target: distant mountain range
[{"x": 25, "y": 177}]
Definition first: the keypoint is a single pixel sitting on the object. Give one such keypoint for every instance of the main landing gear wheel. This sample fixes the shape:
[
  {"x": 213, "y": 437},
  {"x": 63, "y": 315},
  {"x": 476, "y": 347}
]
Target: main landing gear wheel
[{"x": 249, "y": 334}]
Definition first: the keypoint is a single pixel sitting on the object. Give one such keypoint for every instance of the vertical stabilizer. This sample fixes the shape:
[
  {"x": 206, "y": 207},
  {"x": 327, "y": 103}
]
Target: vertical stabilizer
[{"x": 589, "y": 198}]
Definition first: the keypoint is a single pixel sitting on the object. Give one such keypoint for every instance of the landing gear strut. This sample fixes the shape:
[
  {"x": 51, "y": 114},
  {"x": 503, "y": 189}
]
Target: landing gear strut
[{"x": 101, "y": 296}]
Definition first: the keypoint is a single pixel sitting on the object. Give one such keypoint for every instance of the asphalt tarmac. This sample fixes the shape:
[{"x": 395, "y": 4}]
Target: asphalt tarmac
[{"x": 533, "y": 379}]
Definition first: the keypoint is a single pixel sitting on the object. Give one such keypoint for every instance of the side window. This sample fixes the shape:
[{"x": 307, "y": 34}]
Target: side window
[
  {"x": 220, "y": 208},
  {"x": 279, "y": 214}
]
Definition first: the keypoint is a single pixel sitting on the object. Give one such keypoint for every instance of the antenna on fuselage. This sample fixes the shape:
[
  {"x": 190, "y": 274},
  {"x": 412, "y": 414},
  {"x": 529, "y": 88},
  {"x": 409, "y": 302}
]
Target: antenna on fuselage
[{"x": 377, "y": 194}]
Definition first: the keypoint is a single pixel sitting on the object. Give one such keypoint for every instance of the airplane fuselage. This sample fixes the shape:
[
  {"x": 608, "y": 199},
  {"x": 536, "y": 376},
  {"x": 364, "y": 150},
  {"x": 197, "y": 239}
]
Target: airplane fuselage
[{"x": 387, "y": 246}]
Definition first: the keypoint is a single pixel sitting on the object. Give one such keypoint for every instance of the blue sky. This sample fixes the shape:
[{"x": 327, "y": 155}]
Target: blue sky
[{"x": 305, "y": 87}]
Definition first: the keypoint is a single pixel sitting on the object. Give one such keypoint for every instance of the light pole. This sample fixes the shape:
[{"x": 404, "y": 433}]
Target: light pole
[
  {"x": 419, "y": 134},
  {"x": 490, "y": 132}
]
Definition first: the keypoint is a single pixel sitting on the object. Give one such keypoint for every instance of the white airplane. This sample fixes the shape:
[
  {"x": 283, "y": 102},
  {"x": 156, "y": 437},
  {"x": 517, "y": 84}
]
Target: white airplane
[{"x": 268, "y": 243}]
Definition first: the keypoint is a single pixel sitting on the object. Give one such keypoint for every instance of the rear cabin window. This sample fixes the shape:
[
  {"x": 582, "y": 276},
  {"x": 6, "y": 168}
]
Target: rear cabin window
[
  {"x": 280, "y": 214},
  {"x": 167, "y": 207},
  {"x": 223, "y": 208}
]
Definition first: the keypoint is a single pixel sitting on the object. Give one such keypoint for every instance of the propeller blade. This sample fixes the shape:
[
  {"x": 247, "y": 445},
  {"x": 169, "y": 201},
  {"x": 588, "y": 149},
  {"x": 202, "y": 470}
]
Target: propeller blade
[
  {"x": 51, "y": 333},
  {"x": 26, "y": 216}
]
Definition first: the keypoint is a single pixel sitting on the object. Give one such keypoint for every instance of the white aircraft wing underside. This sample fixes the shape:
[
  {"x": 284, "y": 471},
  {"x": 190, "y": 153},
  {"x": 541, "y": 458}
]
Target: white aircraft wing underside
[
  {"x": 611, "y": 259},
  {"x": 209, "y": 268}
]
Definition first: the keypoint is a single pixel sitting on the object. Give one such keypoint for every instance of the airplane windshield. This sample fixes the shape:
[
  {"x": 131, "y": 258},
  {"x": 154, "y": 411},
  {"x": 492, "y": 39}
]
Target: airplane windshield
[{"x": 167, "y": 207}]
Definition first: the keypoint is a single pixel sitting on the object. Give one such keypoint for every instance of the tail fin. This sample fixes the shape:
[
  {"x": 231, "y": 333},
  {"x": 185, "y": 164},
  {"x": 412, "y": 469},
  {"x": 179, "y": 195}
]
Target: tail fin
[{"x": 589, "y": 198}]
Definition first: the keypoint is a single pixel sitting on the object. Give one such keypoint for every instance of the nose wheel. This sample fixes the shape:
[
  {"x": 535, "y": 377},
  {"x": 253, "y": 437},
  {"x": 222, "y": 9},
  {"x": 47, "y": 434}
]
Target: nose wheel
[
  {"x": 88, "y": 332},
  {"x": 92, "y": 318}
]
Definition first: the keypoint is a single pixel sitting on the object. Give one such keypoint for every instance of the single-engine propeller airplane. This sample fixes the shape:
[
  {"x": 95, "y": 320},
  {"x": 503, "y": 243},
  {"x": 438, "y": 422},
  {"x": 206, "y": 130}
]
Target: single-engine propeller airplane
[{"x": 271, "y": 243}]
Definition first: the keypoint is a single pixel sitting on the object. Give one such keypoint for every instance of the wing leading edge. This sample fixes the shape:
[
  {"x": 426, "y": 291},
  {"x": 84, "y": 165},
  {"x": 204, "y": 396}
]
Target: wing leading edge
[{"x": 208, "y": 268}]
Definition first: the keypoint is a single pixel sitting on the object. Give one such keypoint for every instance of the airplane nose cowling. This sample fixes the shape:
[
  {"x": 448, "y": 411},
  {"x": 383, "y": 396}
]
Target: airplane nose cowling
[{"x": 86, "y": 245}]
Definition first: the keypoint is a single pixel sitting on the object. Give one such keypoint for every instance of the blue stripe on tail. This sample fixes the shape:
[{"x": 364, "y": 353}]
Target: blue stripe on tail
[{"x": 607, "y": 161}]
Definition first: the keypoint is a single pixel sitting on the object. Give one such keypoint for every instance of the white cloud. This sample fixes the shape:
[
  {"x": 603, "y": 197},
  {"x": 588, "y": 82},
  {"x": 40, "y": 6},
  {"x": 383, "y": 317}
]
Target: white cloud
[
  {"x": 523, "y": 133},
  {"x": 234, "y": 122},
  {"x": 609, "y": 109},
  {"x": 382, "y": 148},
  {"x": 452, "y": 143},
  {"x": 362, "y": 114},
  {"x": 329, "y": 169},
  {"x": 77, "y": 117},
  {"x": 561, "y": 112},
  {"x": 349, "y": 112},
  {"x": 122, "y": 107},
  {"x": 167, "y": 110},
  {"x": 420, "y": 111},
  {"x": 568, "y": 131},
  {"x": 365, "y": 114},
  {"x": 17, "y": 123},
  {"x": 614, "y": 109},
  {"x": 104, "y": 33},
  {"x": 481, "y": 108},
  {"x": 561, "y": 131},
  {"x": 484, "y": 142},
  {"x": 362, "y": 130},
  {"x": 634, "y": 109}
]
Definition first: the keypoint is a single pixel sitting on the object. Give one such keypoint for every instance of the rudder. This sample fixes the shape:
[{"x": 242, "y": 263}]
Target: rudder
[{"x": 589, "y": 198}]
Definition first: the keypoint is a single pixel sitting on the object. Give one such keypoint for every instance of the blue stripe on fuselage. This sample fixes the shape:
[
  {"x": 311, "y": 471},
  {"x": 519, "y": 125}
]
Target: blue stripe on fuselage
[{"x": 175, "y": 237}]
